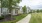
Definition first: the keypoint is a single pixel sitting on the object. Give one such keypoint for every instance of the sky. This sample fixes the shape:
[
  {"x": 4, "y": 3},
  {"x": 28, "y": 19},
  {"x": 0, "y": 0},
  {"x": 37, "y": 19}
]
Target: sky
[{"x": 33, "y": 4}]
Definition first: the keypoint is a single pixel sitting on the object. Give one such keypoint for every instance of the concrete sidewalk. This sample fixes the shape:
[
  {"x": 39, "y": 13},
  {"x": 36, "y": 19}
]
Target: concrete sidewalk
[{"x": 25, "y": 20}]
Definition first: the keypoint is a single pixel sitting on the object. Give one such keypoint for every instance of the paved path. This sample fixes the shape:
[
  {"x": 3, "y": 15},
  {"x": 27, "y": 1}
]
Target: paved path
[{"x": 25, "y": 20}]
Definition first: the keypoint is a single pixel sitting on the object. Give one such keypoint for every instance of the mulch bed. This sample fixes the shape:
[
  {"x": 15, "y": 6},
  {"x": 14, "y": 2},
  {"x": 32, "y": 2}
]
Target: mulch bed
[{"x": 7, "y": 18}]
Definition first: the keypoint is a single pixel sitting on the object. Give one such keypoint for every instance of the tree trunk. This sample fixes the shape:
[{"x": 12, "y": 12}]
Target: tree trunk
[{"x": 9, "y": 8}]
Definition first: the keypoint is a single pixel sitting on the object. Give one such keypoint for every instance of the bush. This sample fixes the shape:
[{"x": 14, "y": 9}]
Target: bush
[
  {"x": 1, "y": 17},
  {"x": 30, "y": 12}
]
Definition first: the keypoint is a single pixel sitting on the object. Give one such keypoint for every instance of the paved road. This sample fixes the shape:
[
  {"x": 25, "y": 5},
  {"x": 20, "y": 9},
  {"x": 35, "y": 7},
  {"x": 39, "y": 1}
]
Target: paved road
[{"x": 25, "y": 20}]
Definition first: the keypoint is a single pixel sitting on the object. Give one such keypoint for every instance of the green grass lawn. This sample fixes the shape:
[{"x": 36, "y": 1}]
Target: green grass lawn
[
  {"x": 36, "y": 18},
  {"x": 19, "y": 17}
]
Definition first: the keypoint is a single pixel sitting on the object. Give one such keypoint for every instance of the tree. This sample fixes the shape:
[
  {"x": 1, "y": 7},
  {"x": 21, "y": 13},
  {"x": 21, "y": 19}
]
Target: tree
[
  {"x": 24, "y": 9},
  {"x": 37, "y": 10},
  {"x": 4, "y": 3},
  {"x": 8, "y": 4},
  {"x": 40, "y": 10},
  {"x": 13, "y": 2}
]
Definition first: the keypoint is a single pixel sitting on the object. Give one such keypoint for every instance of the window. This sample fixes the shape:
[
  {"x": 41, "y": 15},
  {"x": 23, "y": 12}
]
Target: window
[{"x": 5, "y": 11}]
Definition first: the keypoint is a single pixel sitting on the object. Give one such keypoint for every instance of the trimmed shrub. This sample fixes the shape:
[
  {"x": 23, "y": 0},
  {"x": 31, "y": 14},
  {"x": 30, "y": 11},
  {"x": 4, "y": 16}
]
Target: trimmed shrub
[{"x": 1, "y": 17}]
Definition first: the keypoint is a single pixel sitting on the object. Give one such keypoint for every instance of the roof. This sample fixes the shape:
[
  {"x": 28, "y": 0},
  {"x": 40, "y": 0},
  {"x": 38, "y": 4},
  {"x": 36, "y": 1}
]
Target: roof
[{"x": 16, "y": 7}]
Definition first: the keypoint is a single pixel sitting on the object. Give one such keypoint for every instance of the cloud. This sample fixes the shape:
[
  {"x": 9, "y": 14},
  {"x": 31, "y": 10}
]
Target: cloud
[
  {"x": 39, "y": 6},
  {"x": 34, "y": 4}
]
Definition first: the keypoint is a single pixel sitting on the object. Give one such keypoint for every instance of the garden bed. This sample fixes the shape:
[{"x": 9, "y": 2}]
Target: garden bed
[{"x": 17, "y": 18}]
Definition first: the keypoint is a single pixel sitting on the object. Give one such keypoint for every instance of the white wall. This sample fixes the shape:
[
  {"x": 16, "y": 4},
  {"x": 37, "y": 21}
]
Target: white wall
[
  {"x": 13, "y": 12},
  {"x": 21, "y": 9},
  {"x": 27, "y": 10}
]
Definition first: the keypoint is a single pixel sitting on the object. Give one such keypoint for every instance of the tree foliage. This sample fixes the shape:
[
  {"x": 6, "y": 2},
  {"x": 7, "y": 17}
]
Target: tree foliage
[
  {"x": 24, "y": 9},
  {"x": 8, "y": 3},
  {"x": 40, "y": 10},
  {"x": 4, "y": 3}
]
